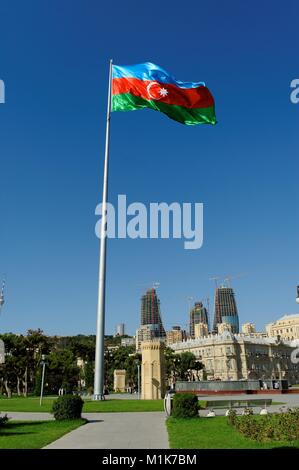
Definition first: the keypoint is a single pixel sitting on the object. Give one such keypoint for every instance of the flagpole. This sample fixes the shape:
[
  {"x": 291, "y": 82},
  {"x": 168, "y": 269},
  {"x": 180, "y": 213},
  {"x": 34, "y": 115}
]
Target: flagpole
[{"x": 100, "y": 334}]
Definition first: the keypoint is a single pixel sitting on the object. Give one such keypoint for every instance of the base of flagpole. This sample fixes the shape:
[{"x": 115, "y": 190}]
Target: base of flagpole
[{"x": 99, "y": 397}]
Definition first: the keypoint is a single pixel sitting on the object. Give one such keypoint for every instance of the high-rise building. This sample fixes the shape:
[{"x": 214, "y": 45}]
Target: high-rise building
[
  {"x": 150, "y": 313},
  {"x": 226, "y": 308},
  {"x": 198, "y": 314},
  {"x": 120, "y": 329}
]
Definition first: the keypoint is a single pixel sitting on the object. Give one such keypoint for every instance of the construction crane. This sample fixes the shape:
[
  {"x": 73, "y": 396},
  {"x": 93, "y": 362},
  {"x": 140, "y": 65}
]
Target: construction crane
[
  {"x": 215, "y": 279},
  {"x": 155, "y": 285},
  {"x": 2, "y": 300},
  {"x": 229, "y": 278},
  {"x": 206, "y": 300}
]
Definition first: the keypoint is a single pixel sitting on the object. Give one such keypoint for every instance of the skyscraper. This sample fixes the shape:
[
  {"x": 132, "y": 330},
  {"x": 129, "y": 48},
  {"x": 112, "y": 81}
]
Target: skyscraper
[
  {"x": 150, "y": 313},
  {"x": 120, "y": 329},
  {"x": 226, "y": 308},
  {"x": 198, "y": 314}
]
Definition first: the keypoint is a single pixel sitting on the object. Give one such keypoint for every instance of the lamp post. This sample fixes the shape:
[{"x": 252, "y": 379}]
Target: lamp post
[
  {"x": 138, "y": 377},
  {"x": 138, "y": 367},
  {"x": 43, "y": 363}
]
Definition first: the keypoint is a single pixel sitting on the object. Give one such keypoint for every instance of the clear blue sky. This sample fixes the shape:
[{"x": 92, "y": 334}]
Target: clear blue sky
[{"x": 54, "y": 61}]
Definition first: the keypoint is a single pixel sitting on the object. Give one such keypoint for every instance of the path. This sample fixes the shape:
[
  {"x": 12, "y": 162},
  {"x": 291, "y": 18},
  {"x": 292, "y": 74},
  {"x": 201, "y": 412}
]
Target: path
[{"x": 142, "y": 430}]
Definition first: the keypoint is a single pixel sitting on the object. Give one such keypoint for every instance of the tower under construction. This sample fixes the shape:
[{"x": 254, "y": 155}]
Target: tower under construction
[
  {"x": 226, "y": 308},
  {"x": 198, "y": 314},
  {"x": 150, "y": 313}
]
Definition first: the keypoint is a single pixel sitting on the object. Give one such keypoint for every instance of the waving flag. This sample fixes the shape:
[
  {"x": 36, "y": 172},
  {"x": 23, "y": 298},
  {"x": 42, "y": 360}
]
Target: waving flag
[{"x": 149, "y": 86}]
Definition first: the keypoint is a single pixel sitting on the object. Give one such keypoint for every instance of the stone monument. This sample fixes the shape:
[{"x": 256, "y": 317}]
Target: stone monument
[
  {"x": 153, "y": 382},
  {"x": 119, "y": 380}
]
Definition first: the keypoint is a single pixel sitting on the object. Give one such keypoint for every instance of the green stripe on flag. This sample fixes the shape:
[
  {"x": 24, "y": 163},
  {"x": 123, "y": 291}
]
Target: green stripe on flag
[{"x": 189, "y": 116}]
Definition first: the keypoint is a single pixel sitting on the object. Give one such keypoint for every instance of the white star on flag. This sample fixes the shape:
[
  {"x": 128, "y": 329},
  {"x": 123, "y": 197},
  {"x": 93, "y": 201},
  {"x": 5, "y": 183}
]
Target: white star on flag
[{"x": 163, "y": 92}]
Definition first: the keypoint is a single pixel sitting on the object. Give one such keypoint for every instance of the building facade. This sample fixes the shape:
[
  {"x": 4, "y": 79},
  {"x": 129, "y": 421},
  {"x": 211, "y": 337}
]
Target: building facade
[
  {"x": 201, "y": 330},
  {"x": 175, "y": 335},
  {"x": 287, "y": 327},
  {"x": 229, "y": 356},
  {"x": 125, "y": 342},
  {"x": 146, "y": 333},
  {"x": 226, "y": 308}
]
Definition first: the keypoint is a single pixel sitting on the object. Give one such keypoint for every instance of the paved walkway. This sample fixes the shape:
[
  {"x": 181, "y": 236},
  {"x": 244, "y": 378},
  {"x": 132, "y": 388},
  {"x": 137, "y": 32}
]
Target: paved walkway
[
  {"x": 27, "y": 416},
  {"x": 117, "y": 431}
]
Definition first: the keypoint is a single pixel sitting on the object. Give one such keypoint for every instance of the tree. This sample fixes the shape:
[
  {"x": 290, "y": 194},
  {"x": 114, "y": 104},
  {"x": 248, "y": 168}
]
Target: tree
[
  {"x": 170, "y": 364},
  {"x": 188, "y": 366},
  {"x": 182, "y": 366},
  {"x": 61, "y": 371},
  {"x": 12, "y": 372}
]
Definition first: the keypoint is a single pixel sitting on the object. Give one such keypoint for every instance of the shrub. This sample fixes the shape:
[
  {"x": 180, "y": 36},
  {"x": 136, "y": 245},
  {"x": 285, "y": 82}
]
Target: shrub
[
  {"x": 3, "y": 420},
  {"x": 275, "y": 427},
  {"x": 67, "y": 407},
  {"x": 185, "y": 405},
  {"x": 232, "y": 417}
]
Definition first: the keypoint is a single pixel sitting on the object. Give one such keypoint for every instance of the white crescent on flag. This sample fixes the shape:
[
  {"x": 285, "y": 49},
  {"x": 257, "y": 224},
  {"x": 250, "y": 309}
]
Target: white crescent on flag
[{"x": 161, "y": 93}]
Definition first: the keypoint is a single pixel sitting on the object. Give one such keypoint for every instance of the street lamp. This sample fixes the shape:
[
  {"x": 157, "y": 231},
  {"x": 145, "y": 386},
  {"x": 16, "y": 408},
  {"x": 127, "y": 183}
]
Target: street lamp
[
  {"x": 43, "y": 363},
  {"x": 138, "y": 378},
  {"x": 138, "y": 367}
]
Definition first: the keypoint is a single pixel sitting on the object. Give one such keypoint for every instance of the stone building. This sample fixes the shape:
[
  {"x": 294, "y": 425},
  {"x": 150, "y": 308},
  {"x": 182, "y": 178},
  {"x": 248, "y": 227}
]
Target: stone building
[
  {"x": 229, "y": 356},
  {"x": 200, "y": 330},
  {"x": 175, "y": 335},
  {"x": 287, "y": 327}
]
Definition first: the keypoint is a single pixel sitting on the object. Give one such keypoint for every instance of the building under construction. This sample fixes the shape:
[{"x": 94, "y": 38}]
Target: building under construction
[
  {"x": 198, "y": 314},
  {"x": 150, "y": 313},
  {"x": 226, "y": 308}
]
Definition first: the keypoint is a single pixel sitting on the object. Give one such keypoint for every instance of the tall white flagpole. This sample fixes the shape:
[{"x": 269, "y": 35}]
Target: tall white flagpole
[{"x": 99, "y": 356}]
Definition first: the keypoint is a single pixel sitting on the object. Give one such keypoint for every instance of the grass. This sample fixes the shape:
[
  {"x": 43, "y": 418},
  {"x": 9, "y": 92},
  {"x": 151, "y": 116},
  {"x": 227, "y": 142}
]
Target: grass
[
  {"x": 213, "y": 433},
  {"x": 34, "y": 434},
  {"x": 31, "y": 404}
]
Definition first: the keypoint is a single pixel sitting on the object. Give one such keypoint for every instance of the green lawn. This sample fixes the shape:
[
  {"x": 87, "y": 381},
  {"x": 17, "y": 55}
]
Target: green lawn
[
  {"x": 212, "y": 433},
  {"x": 109, "y": 405},
  {"x": 34, "y": 434}
]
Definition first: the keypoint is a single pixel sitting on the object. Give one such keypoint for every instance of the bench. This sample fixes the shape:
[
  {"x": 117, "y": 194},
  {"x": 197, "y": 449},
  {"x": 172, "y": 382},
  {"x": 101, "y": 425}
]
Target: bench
[{"x": 262, "y": 402}]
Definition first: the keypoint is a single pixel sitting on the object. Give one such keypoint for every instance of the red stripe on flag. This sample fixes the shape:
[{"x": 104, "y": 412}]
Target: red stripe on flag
[{"x": 164, "y": 92}]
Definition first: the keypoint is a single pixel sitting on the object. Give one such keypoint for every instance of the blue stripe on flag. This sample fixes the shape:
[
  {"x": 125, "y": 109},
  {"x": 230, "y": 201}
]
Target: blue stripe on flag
[{"x": 152, "y": 72}]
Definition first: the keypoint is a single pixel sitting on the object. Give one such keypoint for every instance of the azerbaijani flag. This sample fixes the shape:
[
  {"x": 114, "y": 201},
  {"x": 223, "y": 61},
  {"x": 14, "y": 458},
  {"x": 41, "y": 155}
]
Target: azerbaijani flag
[{"x": 149, "y": 86}]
